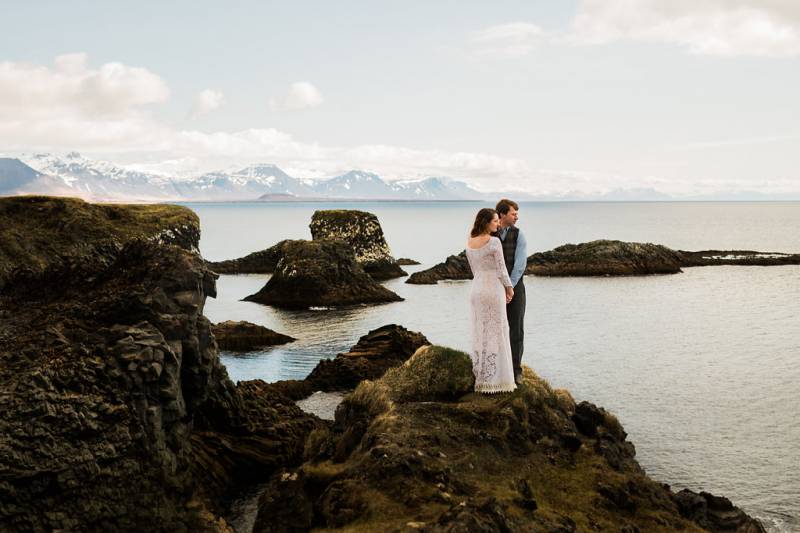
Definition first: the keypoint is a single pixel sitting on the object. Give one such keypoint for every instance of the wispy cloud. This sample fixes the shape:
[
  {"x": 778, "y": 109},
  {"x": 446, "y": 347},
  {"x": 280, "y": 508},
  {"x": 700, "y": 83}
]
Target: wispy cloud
[
  {"x": 706, "y": 27},
  {"x": 301, "y": 95},
  {"x": 766, "y": 28}
]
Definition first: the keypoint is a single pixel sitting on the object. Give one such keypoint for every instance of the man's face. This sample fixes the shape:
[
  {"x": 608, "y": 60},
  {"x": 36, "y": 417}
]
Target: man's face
[{"x": 510, "y": 218}]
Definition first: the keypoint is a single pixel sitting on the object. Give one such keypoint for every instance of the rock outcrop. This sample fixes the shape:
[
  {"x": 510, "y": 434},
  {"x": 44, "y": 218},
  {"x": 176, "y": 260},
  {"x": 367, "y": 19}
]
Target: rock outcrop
[
  {"x": 454, "y": 267},
  {"x": 245, "y": 336},
  {"x": 363, "y": 232},
  {"x": 373, "y": 354},
  {"x": 117, "y": 414},
  {"x": 320, "y": 274},
  {"x": 261, "y": 262},
  {"x": 41, "y": 233},
  {"x": 610, "y": 258},
  {"x": 405, "y": 261},
  {"x": 605, "y": 258},
  {"x": 737, "y": 257},
  {"x": 418, "y": 450}
]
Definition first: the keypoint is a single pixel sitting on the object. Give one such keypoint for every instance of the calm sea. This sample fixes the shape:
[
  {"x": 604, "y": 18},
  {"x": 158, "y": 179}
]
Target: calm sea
[{"x": 700, "y": 367}]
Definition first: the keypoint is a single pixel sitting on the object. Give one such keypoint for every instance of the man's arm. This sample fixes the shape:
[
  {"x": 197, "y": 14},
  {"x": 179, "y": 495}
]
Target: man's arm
[{"x": 520, "y": 259}]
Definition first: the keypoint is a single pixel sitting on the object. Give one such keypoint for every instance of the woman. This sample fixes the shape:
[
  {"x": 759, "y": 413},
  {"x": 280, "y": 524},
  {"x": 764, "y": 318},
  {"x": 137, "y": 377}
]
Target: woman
[{"x": 491, "y": 291}]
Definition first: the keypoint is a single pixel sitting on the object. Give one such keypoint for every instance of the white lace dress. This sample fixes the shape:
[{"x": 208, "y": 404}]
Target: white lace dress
[{"x": 491, "y": 345}]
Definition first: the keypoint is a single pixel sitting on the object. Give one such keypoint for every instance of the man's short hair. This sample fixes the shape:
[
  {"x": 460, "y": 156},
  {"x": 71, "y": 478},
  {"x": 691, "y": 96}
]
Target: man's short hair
[{"x": 505, "y": 205}]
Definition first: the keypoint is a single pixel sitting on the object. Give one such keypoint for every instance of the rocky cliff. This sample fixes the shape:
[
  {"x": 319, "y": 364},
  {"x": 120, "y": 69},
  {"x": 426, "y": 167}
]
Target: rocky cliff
[
  {"x": 117, "y": 414},
  {"x": 41, "y": 232},
  {"x": 417, "y": 450}
]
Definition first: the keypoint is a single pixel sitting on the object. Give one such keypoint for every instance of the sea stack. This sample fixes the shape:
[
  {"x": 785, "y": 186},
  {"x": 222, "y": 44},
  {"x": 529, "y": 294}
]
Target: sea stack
[
  {"x": 320, "y": 274},
  {"x": 362, "y": 231}
]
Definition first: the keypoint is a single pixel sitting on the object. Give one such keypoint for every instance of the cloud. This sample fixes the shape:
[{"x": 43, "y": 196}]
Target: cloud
[
  {"x": 206, "y": 101},
  {"x": 508, "y": 40},
  {"x": 69, "y": 102},
  {"x": 706, "y": 27},
  {"x": 301, "y": 95},
  {"x": 727, "y": 28},
  {"x": 71, "y": 89},
  {"x": 72, "y": 106}
]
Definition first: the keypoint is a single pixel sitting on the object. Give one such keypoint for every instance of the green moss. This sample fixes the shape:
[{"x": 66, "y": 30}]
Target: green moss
[
  {"x": 370, "y": 398},
  {"x": 39, "y": 228},
  {"x": 432, "y": 373}
]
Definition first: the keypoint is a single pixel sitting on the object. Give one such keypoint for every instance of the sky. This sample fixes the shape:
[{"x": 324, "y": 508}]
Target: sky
[{"x": 681, "y": 96}]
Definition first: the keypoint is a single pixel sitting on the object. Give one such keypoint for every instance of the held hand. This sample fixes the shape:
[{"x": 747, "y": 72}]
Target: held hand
[{"x": 509, "y": 294}]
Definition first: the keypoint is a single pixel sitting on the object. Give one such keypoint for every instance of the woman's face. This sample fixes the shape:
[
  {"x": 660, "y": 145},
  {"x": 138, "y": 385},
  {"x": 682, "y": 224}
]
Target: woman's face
[{"x": 494, "y": 223}]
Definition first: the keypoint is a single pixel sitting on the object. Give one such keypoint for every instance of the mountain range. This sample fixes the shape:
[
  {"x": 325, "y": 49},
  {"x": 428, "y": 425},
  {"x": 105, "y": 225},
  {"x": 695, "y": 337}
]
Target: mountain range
[{"x": 75, "y": 175}]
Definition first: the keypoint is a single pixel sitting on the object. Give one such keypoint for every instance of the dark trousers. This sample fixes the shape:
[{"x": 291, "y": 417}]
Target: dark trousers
[{"x": 516, "y": 323}]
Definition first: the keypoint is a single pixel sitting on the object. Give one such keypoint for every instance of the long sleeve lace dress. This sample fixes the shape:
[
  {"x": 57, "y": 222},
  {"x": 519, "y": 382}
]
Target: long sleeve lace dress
[{"x": 491, "y": 345}]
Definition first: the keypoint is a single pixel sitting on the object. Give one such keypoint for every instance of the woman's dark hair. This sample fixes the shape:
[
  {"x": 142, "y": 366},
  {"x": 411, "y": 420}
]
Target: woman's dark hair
[{"x": 482, "y": 219}]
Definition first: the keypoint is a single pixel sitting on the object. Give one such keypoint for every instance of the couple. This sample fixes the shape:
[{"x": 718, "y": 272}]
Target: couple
[{"x": 496, "y": 251}]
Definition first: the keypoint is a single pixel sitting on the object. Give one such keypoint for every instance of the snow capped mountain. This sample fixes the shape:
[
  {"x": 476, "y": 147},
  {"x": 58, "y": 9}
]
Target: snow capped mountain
[
  {"x": 75, "y": 175},
  {"x": 248, "y": 183},
  {"x": 100, "y": 179},
  {"x": 355, "y": 184},
  {"x": 15, "y": 174},
  {"x": 437, "y": 189}
]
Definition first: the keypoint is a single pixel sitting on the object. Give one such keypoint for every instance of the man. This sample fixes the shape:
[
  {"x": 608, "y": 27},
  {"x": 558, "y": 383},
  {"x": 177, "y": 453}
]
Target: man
[{"x": 515, "y": 254}]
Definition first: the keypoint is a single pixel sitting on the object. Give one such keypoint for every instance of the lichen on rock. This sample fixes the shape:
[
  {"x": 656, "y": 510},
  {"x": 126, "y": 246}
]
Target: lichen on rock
[{"x": 363, "y": 232}]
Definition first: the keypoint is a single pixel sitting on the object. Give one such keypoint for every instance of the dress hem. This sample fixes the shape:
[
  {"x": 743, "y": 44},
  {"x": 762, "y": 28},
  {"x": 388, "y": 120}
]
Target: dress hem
[{"x": 491, "y": 388}]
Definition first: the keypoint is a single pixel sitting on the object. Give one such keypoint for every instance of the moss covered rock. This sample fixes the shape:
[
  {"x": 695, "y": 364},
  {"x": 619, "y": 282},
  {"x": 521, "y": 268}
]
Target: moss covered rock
[
  {"x": 44, "y": 232},
  {"x": 432, "y": 373},
  {"x": 417, "y": 450},
  {"x": 320, "y": 274},
  {"x": 373, "y": 354},
  {"x": 605, "y": 258},
  {"x": 363, "y": 232}
]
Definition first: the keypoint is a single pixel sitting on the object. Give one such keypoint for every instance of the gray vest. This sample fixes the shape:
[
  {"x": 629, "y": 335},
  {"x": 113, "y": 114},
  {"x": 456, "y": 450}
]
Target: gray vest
[{"x": 510, "y": 247}]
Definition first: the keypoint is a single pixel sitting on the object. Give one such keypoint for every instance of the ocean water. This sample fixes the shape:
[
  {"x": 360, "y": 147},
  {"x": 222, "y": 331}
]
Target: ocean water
[{"x": 700, "y": 367}]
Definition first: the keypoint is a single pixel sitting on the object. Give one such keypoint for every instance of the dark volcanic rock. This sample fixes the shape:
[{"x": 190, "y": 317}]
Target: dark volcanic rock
[
  {"x": 417, "y": 450},
  {"x": 375, "y": 352},
  {"x": 245, "y": 336},
  {"x": 404, "y": 261},
  {"x": 454, "y": 267},
  {"x": 715, "y": 513},
  {"x": 320, "y": 274},
  {"x": 362, "y": 231},
  {"x": 737, "y": 257},
  {"x": 262, "y": 262},
  {"x": 117, "y": 414},
  {"x": 605, "y": 258},
  {"x": 43, "y": 232}
]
